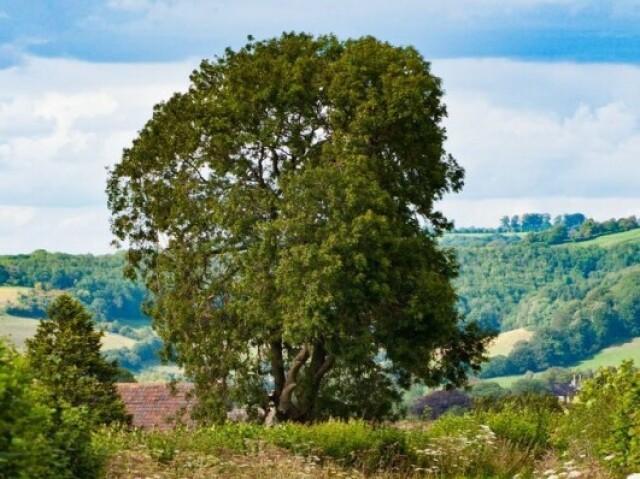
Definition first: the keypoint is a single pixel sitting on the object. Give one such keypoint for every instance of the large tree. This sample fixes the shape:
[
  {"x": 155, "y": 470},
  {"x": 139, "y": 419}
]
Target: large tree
[{"x": 281, "y": 212}]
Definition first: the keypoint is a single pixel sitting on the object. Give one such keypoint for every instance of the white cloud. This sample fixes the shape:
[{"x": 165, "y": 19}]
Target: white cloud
[
  {"x": 130, "y": 5},
  {"x": 532, "y": 136},
  {"x": 488, "y": 211},
  {"x": 71, "y": 230},
  {"x": 14, "y": 217},
  {"x": 63, "y": 131},
  {"x": 528, "y": 131}
]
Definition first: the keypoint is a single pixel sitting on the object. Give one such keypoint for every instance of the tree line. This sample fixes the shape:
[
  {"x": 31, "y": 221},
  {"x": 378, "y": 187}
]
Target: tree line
[
  {"x": 576, "y": 300},
  {"x": 98, "y": 281},
  {"x": 565, "y": 228}
]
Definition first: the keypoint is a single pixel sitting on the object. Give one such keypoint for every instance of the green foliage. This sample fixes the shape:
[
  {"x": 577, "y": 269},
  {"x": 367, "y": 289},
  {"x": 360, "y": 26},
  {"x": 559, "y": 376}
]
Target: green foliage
[
  {"x": 606, "y": 418},
  {"x": 97, "y": 281},
  {"x": 526, "y": 419},
  {"x": 39, "y": 435},
  {"x": 487, "y": 389},
  {"x": 351, "y": 444},
  {"x": 313, "y": 163},
  {"x": 65, "y": 357},
  {"x": 143, "y": 354}
]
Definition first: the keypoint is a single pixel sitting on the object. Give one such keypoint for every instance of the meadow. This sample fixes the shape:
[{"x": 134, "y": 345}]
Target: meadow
[
  {"x": 504, "y": 343},
  {"x": 608, "y": 241},
  {"x": 17, "y": 329}
]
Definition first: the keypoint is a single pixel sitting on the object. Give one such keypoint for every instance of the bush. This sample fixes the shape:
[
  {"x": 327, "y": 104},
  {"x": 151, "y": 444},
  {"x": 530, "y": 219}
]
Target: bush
[
  {"x": 526, "y": 420},
  {"x": 487, "y": 389},
  {"x": 437, "y": 403},
  {"x": 605, "y": 420},
  {"x": 38, "y": 436},
  {"x": 351, "y": 443}
]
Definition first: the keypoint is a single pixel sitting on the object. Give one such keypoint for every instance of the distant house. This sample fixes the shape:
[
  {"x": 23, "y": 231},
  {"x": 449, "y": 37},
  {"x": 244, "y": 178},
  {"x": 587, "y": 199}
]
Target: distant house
[
  {"x": 566, "y": 392},
  {"x": 156, "y": 405}
]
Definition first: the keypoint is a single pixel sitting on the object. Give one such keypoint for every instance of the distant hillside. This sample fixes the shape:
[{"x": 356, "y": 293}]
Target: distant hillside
[
  {"x": 607, "y": 241},
  {"x": 98, "y": 281},
  {"x": 563, "y": 303},
  {"x": 29, "y": 282},
  {"x": 577, "y": 297}
]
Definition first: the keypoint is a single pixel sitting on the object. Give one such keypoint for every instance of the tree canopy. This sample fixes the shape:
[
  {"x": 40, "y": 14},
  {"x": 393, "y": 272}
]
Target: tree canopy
[{"x": 276, "y": 211}]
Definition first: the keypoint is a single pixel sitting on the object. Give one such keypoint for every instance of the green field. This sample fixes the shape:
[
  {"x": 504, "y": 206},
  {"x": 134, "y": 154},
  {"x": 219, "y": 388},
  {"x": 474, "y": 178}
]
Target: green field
[
  {"x": 484, "y": 235},
  {"x": 611, "y": 356},
  {"x": 18, "y": 329},
  {"x": 607, "y": 241}
]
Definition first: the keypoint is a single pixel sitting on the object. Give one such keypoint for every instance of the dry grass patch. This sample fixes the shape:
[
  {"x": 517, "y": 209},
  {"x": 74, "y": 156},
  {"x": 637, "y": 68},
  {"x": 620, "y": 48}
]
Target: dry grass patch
[
  {"x": 266, "y": 462},
  {"x": 9, "y": 294},
  {"x": 552, "y": 466},
  {"x": 505, "y": 342},
  {"x": 17, "y": 330}
]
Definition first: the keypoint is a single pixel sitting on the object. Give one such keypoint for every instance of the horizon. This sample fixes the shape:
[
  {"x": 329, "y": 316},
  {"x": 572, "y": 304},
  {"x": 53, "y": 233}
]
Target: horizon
[{"x": 544, "y": 110}]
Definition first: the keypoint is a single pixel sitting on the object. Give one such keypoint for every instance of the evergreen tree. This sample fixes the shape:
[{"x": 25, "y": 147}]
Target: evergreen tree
[{"x": 65, "y": 356}]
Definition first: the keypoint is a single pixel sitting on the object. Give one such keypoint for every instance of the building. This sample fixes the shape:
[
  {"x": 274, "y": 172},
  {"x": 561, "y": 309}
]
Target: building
[{"x": 157, "y": 405}]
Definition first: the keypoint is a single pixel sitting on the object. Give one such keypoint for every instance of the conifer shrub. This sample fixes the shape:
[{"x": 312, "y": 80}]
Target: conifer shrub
[
  {"x": 40, "y": 437},
  {"x": 66, "y": 359}
]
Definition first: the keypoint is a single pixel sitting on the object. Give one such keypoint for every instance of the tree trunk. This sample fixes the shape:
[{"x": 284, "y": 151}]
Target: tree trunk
[
  {"x": 277, "y": 369},
  {"x": 304, "y": 384},
  {"x": 287, "y": 409}
]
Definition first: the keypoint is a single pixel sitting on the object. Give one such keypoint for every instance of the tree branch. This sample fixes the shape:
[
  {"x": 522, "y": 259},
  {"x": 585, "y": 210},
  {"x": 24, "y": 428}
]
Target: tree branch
[{"x": 324, "y": 368}]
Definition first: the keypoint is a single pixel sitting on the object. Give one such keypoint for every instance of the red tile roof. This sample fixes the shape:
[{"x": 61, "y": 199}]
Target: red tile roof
[{"x": 155, "y": 405}]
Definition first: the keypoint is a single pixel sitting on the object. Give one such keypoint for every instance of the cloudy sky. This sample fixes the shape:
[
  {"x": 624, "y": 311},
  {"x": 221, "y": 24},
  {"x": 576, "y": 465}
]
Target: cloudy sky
[{"x": 543, "y": 97}]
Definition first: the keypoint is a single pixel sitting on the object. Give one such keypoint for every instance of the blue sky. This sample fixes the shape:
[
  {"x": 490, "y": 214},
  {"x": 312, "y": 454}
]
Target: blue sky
[
  {"x": 543, "y": 97},
  {"x": 146, "y": 30}
]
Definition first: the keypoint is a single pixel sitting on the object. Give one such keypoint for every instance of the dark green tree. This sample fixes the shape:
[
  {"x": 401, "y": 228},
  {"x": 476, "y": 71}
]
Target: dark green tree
[
  {"x": 276, "y": 212},
  {"x": 66, "y": 359}
]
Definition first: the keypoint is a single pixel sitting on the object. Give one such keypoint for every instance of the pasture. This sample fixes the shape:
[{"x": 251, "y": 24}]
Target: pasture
[
  {"x": 9, "y": 294},
  {"x": 608, "y": 241},
  {"x": 18, "y": 329},
  {"x": 611, "y": 356},
  {"x": 505, "y": 342}
]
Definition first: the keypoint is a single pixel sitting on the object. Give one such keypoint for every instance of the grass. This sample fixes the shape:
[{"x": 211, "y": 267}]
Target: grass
[
  {"x": 485, "y": 235},
  {"x": 451, "y": 447},
  {"x": 11, "y": 293},
  {"x": 507, "y": 381},
  {"x": 611, "y": 356},
  {"x": 18, "y": 329},
  {"x": 607, "y": 241},
  {"x": 505, "y": 342}
]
